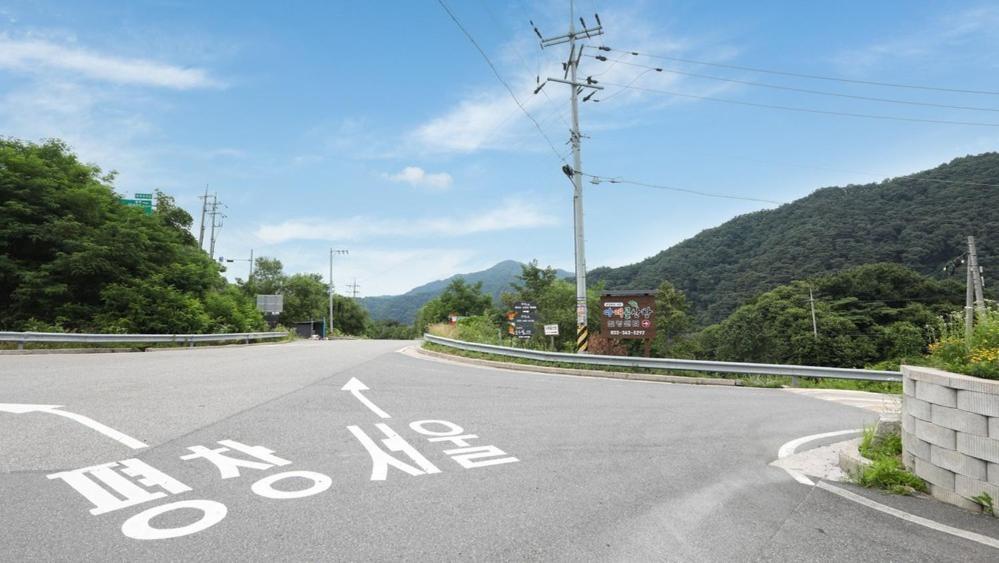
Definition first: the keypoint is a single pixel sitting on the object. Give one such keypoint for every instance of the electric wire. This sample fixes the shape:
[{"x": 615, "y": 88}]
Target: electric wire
[
  {"x": 676, "y": 189},
  {"x": 794, "y": 89},
  {"x": 500, "y": 78},
  {"x": 805, "y": 110},
  {"x": 809, "y": 76}
]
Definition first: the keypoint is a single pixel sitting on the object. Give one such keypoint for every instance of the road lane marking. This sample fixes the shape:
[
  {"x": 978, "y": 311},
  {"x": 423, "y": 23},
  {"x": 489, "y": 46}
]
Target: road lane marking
[
  {"x": 931, "y": 524},
  {"x": 355, "y": 387},
  {"x": 125, "y": 439},
  {"x": 790, "y": 447}
]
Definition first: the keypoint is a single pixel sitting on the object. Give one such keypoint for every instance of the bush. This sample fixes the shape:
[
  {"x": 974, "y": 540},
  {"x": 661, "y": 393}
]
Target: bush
[
  {"x": 977, "y": 355},
  {"x": 886, "y": 470}
]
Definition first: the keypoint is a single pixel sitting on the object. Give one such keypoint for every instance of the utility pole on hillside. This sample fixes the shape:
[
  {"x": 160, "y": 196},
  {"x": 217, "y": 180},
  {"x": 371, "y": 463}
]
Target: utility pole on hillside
[
  {"x": 976, "y": 276},
  {"x": 815, "y": 326},
  {"x": 575, "y": 173},
  {"x": 218, "y": 219},
  {"x": 353, "y": 289},
  {"x": 204, "y": 208}
]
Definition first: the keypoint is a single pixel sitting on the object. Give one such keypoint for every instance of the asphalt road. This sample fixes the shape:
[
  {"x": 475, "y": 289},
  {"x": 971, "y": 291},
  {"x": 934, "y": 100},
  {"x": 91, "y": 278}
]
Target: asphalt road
[{"x": 580, "y": 469}]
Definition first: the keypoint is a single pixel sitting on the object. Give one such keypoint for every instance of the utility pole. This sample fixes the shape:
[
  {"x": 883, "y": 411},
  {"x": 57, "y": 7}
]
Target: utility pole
[
  {"x": 204, "y": 208},
  {"x": 332, "y": 252},
  {"x": 815, "y": 327},
  {"x": 976, "y": 276},
  {"x": 969, "y": 297},
  {"x": 218, "y": 218},
  {"x": 575, "y": 173},
  {"x": 353, "y": 289}
]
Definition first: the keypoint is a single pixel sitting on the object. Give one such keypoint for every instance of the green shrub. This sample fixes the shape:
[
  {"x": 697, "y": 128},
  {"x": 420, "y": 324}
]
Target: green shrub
[{"x": 976, "y": 355}]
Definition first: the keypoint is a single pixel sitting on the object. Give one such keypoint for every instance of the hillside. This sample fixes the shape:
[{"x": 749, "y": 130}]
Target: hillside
[
  {"x": 403, "y": 308},
  {"x": 920, "y": 221}
]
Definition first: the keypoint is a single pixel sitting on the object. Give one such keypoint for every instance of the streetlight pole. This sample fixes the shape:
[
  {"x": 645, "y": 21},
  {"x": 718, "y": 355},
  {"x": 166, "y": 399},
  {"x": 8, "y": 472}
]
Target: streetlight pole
[{"x": 332, "y": 252}]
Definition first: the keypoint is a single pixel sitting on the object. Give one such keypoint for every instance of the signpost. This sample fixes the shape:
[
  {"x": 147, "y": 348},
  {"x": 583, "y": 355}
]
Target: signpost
[
  {"x": 271, "y": 306},
  {"x": 551, "y": 331},
  {"x": 629, "y": 315},
  {"x": 525, "y": 314},
  {"x": 145, "y": 201}
]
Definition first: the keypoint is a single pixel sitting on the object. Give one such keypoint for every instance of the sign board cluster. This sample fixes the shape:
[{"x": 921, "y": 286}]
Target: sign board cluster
[
  {"x": 144, "y": 201},
  {"x": 628, "y": 314},
  {"x": 522, "y": 319}
]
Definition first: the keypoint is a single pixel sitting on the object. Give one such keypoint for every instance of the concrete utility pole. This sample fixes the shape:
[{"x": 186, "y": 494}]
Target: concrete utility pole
[
  {"x": 218, "y": 218},
  {"x": 815, "y": 326},
  {"x": 353, "y": 289},
  {"x": 976, "y": 276},
  {"x": 332, "y": 252},
  {"x": 204, "y": 208},
  {"x": 969, "y": 297},
  {"x": 575, "y": 173}
]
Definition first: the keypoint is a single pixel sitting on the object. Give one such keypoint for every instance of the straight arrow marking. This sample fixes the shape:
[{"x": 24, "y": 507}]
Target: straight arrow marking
[
  {"x": 355, "y": 387},
  {"x": 86, "y": 421}
]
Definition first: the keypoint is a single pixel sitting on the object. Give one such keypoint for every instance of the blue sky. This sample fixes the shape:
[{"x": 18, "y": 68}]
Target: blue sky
[{"x": 377, "y": 127}]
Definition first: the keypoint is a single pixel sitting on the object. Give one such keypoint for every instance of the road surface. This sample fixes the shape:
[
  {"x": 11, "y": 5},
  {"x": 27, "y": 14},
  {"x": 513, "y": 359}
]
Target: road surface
[{"x": 350, "y": 450}]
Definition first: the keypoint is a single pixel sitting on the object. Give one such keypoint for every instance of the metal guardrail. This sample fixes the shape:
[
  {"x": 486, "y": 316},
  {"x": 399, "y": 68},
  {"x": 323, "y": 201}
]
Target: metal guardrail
[
  {"x": 23, "y": 338},
  {"x": 668, "y": 363}
]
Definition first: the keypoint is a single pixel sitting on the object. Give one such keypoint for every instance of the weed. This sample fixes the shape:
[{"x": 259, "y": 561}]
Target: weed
[
  {"x": 986, "y": 502},
  {"x": 886, "y": 470}
]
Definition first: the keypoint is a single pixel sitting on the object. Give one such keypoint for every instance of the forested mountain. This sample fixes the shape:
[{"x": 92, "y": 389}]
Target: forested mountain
[
  {"x": 920, "y": 221},
  {"x": 74, "y": 258},
  {"x": 403, "y": 308}
]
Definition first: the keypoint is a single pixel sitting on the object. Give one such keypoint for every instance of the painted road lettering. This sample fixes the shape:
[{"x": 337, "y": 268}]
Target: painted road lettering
[
  {"x": 138, "y": 527},
  {"x": 381, "y": 460},
  {"x": 229, "y": 466},
  {"x": 465, "y": 455},
  {"x": 96, "y": 482}
]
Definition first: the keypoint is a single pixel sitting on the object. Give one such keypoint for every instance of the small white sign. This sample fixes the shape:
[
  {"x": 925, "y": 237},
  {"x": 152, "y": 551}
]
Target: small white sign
[{"x": 551, "y": 330}]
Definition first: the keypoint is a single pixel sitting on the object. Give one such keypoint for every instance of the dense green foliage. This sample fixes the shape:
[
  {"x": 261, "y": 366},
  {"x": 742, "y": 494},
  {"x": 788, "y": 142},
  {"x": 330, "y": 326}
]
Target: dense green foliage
[
  {"x": 458, "y": 298},
  {"x": 404, "y": 308},
  {"x": 73, "y": 257},
  {"x": 974, "y": 354},
  {"x": 863, "y": 315},
  {"x": 306, "y": 297},
  {"x": 920, "y": 221},
  {"x": 886, "y": 470}
]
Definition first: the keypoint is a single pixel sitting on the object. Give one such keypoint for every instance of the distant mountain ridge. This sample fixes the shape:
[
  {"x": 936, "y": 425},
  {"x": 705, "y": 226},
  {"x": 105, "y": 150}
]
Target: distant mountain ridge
[
  {"x": 921, "y": 221},
  {"x": 403, "y": 308}
]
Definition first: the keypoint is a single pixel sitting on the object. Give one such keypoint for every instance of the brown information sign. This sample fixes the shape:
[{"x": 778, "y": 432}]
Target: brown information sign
[{"x": 628, "y": 314}]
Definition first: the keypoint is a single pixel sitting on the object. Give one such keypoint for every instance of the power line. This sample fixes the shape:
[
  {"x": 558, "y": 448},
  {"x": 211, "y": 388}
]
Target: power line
[
  {"x": 806, "y": 110},
  {"x": 500, "y": 78},
  {"x": 599, "y": 179},
  {"x": 809, "y": 76},
  {"x": 793, "y": 89}
]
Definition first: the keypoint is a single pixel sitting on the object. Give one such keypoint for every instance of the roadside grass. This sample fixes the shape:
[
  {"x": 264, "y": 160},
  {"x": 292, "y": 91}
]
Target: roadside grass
[
  {"x": 765, "y": 381},
  {"x": 886, "y": 471}
]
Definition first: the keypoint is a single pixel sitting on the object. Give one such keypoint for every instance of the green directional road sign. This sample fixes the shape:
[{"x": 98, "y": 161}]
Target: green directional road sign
[
  {"x": 143, "y": 196},
  {"x": 145, "y": 204}
]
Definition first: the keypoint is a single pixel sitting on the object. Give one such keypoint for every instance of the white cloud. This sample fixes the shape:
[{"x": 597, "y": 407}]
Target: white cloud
[
  {"x": 416, "y": 176},
  {"x": 489, "y": 118},
  {"x": 34, "y": 55},
  {"x": 513, "y": 214}
]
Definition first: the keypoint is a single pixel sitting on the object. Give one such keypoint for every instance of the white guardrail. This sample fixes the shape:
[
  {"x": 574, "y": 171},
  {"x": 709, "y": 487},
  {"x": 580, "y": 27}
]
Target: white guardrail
[
  {"x": 24, "y": 337},
  {"x": 668, "y": 363}
]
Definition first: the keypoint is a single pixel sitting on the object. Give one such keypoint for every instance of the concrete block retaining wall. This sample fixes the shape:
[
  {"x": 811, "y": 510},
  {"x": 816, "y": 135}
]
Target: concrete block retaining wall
[{"x": 950, "y": 433}]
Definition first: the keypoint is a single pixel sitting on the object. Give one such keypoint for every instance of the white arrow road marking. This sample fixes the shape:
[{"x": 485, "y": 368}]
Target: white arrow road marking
[
  {"x": 355, "y": 387},
  {"x": 86, "y": 421}
]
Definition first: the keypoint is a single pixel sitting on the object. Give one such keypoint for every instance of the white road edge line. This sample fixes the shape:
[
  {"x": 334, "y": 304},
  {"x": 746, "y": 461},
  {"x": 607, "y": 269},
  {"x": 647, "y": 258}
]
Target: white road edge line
[
  {"x": 931, "y": 524},
  {"x": 84, "y": 420},
  {"x": 790, "y": 447}
]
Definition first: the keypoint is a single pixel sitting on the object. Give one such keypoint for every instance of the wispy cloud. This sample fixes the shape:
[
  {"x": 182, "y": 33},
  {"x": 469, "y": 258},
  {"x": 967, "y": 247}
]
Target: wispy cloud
[
  {"x": 489, "y": 119},
  {"x": 512, "y": 214},
  {"x": 953, "y": 31},
  {"x": 38, "y": 55},
  {"x": 418, "y": 177}
]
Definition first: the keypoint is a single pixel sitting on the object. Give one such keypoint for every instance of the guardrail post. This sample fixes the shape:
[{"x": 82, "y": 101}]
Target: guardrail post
[
  {"x": 794, "y": 381},
  {"x": 20, "y": 345},
  {"x": 190, "y": 343},
  {"x": 247, "y": 338}
]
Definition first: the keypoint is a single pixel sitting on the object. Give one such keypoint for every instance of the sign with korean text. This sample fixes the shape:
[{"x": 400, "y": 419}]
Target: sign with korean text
[
  {"x": 551, "y": 330},
  {"x": 525, "y": 315},
  {"x": 628, "y": 315}
]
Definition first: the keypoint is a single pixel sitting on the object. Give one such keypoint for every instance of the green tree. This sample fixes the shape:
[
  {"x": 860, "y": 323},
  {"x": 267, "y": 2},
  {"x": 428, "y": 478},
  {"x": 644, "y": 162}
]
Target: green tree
[
  {"x": 73, "y": 257},
  {"x": 672, "y": 320},
  {"x": 458, "y": 298}
]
